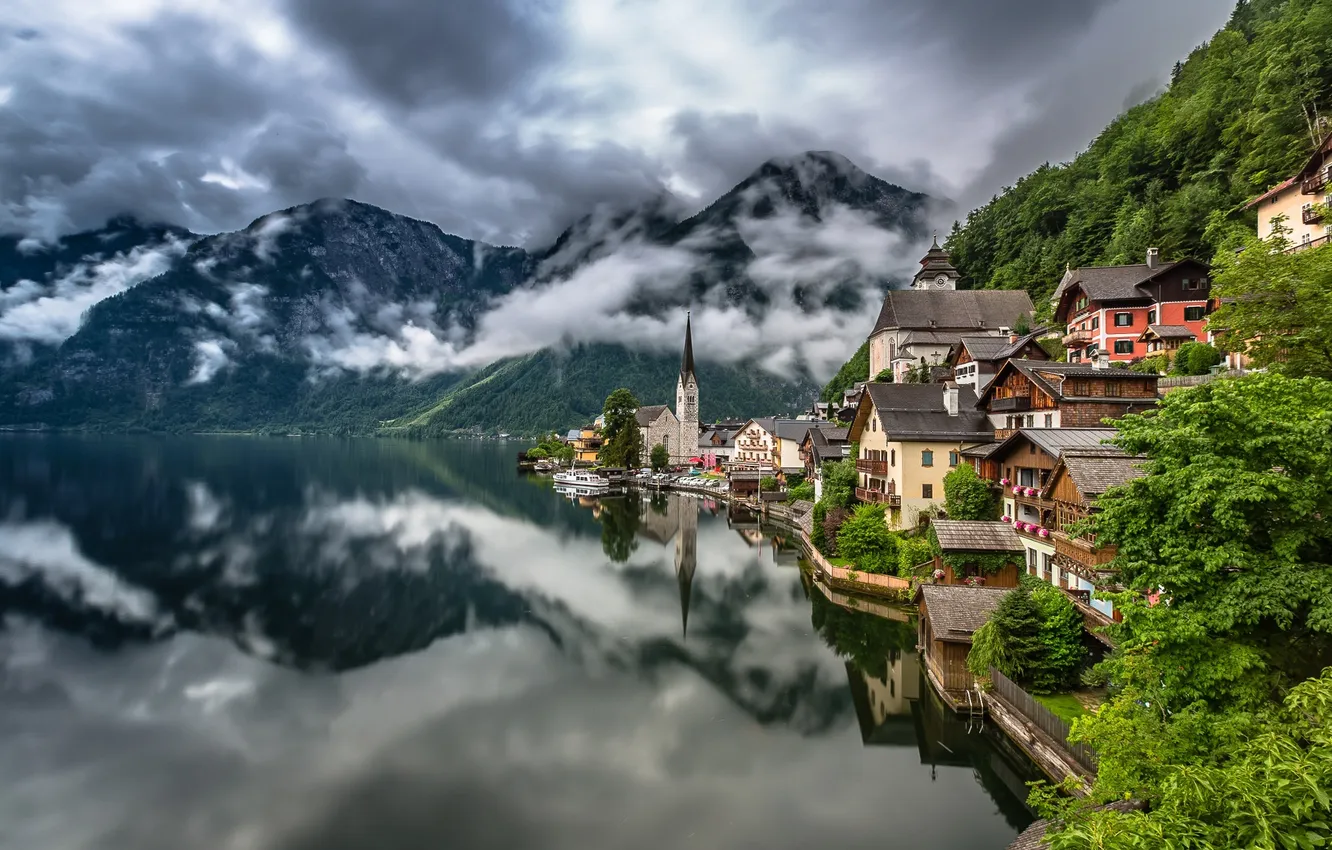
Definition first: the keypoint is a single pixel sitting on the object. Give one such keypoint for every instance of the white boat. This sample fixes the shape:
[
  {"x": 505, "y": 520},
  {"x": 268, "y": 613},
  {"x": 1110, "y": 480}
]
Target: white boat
[{"x": 582, "y": 481}]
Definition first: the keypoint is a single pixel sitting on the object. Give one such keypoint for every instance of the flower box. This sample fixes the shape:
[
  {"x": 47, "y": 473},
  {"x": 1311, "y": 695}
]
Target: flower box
[
  {"x": 1005, "y": 518},
  {"x": 1044, "y": 532},
  {"x": 1017, "y": 491}
]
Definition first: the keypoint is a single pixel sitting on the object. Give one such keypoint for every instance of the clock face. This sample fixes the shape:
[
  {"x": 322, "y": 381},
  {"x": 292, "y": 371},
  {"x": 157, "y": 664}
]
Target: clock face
[{"x": 941, "y": 280}]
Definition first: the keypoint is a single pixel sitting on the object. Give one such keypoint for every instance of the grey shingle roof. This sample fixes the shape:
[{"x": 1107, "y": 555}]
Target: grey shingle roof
[
  {"x": 912, "y": 411},
  {"x": 1056, "y": 441},
  {"x": 1093, "y": 474},
  {"x": 983, "y": 450},
  {"x": 956, "y": 535},
  {"x": 958, "y": 311},
  {"x": 793, "y": 429},
  {"x": 1111, "y": 283},
  {"x": 984, "y": 347},
  {"x": 929, "y": 338},
  {"x": 648, "y": 414},
  {"x": 1047, "y": 376},
  {"x": 1171, "y": 331},
  {"x": 957, "y": 611}
]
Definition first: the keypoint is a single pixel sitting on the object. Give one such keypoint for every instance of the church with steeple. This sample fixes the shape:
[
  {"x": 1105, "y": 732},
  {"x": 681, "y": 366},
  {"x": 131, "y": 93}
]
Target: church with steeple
[
  {"x": 936, "y": 270},
  {"x": 686, "y": 401}
]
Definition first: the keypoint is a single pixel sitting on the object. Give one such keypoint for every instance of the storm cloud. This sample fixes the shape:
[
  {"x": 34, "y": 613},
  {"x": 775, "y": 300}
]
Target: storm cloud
[{"x": 505, "y": 121}]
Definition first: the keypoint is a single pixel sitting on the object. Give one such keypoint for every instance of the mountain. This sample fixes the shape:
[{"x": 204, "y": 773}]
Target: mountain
[
  {"x": 1240, "y": 115},
  {"x": 340, "y": 316}
]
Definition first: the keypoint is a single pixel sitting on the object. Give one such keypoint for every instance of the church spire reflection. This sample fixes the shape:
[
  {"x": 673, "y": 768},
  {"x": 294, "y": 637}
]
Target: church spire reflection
[{"x": 686, "y": 556}]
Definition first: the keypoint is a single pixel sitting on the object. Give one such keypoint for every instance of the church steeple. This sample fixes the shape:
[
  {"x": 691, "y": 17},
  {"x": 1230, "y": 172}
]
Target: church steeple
[{"x": 687, "y": 362}]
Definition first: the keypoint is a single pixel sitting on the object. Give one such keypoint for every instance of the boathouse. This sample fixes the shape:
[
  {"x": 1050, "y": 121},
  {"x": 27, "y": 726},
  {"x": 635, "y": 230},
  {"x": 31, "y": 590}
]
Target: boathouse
[
  {"x": 968, "y": 548},
  {"x": 949, "y": 617}
]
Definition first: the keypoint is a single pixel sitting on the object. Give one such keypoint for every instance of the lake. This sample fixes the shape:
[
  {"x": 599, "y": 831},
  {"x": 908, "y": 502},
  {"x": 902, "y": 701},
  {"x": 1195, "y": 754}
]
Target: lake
[{"x": 227, "y": 642}]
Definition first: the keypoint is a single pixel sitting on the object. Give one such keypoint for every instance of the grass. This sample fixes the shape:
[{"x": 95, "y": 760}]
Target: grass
[
  {"x": 841, "y": 562},
  {"x": 1065, "y": 706}
]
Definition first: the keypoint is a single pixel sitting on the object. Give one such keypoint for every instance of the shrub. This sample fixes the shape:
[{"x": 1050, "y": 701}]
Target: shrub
[
  {"x": 967, "y": 495},
  {"x": 769, "y": 483},
  {"x": 1061, "y": 641},
  {"x": 660, "y": 457},
  {"x": 1195, "y": 358},
  {"x": 910, "y": 552},
  {"x": 832, "y": 523},
  {"x": 1154, "y": 365},
  {"x": 864, "y": 538},
  {"x": 803, "y": 490}
]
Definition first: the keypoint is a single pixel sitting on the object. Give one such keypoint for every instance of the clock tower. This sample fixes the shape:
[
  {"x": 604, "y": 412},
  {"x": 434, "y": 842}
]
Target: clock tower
[
  {"x": 936, "y": 270},
  {"x": 686, "y": 402}
]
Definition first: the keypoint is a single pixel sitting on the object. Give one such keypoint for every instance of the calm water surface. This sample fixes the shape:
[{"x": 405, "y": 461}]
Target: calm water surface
[{"x": 270, "y": 643}]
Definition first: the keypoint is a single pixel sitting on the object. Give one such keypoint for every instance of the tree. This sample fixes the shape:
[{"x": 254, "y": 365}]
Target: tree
[
  {"x": 1016, "y": 627},
  {"x": 839, "y": 483},
  {"x": 912, "y": 551},
  {"x": 1247, "y": 780},
  {"x": 1195, "y": 358},
  {"x": 1231, "y": 523},
  {"x": 803, "y": 491},
  {"x": 967, "y": 495},
  {"x": 1275, "y": 306},
  {"x": 661, "y": 457},
  {"x": 1061, "y": 641},
  {"x": 865, "y": 539},
  {"x": 885, "y": 376},
  {"x": 623, "y": 444},
  {"x": 768, "y": 484}
]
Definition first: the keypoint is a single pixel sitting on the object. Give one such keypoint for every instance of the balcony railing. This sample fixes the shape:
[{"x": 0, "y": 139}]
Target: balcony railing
[
  {"x": 1311, "y": 213},
  {"x": 879, "y": 497},
  {"x": 1306, "y": 244},
  {"x": 873, "y": 467},
  {"x": 1011, "y": 404},
  {"x": 1314, "y": 183},
  {"x": 1077, "y": 337}
]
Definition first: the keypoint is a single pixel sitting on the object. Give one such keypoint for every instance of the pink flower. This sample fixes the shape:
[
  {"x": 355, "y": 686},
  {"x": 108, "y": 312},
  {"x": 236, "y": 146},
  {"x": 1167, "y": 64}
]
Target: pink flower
[{"x": 1017, "y": 491}]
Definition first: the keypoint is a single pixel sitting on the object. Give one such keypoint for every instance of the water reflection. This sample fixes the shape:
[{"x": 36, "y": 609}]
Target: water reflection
[{"x": 273, "y": 643}]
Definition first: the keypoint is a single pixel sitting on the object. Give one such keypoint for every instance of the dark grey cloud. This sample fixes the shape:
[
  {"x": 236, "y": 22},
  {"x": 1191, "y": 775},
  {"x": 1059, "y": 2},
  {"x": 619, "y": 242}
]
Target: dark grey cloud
[
  {"x": 421, "y": 51},
  {"x": 506, "y": 121}
]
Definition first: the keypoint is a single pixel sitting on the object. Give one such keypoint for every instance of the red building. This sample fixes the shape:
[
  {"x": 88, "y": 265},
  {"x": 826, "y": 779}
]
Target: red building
[{"x": 1110, "y": 308}]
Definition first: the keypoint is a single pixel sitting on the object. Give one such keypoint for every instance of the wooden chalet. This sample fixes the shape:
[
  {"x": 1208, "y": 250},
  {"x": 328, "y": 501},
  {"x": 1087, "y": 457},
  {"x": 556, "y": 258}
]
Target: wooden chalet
[
  {"x": 976, "y": 359},
  {"x": 1165, "y": 339},
  {"x": 1037, "y": 394},
  {"x": 960, "y": 538},
  {"x": 949, "y": 617}
]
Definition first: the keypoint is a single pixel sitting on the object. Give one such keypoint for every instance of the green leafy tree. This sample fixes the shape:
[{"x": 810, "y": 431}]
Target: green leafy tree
[
  {"x": 1154, "y": 365},
  {"x": 839, "y": 483},
  {"x": 885, "y": 376},
  {"x": 623, "y": 444},
  {"x": 661, "y": 457},
  {"x": 768, "y": 484},
  {"x": 1231, "y": 523},
  {"x": 912, "y": 551},
  {"x": 1276, "y": 306},
  {"x": 537, "y": 453},
  {"x": 1244, "y": 780},
  {"x": 1194, "y": 358},
  {"x": 865, "y": 539},
  {"x": 801, "y": 492},
  {"x": 1061, "y": 641},
  {"x": 967, "y": 496},
  {"x": 817, "y": 536}
]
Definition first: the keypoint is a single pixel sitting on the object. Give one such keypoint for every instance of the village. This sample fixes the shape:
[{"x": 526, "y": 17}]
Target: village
[{"x": 967, "y": 463}]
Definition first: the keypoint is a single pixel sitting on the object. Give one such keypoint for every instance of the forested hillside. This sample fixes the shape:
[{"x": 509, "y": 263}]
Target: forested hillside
[{"x": 1239, "y": 115}]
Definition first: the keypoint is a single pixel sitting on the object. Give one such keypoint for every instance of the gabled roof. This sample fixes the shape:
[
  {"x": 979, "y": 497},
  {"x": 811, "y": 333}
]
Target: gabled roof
[
  {"x": 966, "y": 310},
  {"x": 1048, "y": 376},
  {"x": 1112, "y": 283},
  {"x": 793, "y": 429},
  {"x": 957, "y": 611},
  {"x": 1166, "y": 332},
  {"x": 957, "y": 535},
  {"x": 1312, "y": 164},
  {"x": 916, "y": 412},
  {"x": 1093, "y": 474},
  {"x": 648, "y": 414}
]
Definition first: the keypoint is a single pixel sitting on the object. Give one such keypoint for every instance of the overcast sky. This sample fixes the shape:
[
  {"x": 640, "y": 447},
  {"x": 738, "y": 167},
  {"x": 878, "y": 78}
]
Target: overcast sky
[{"x": 504, "y": 119}]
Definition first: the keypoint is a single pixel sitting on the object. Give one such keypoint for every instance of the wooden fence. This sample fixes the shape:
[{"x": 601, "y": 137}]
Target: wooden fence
[
  {"x": 1174, "y": 381},
  {"x": 1042, "y": 718}
]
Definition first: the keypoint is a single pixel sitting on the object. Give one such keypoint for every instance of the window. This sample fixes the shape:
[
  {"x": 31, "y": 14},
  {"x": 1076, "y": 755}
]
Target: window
[
  {"x": 1151, "y": 317},
  {"x": 1096, "y": 322},
  {"x": 873, "y": 425},
  {"x": 892, "y": 457},
  {"x": 1082, "y": 302},
  {"x": 1123, "y": 346},
  {"x": 1193, "y": 314},
  {"x": 1193, "y": 283},
  {"x": 1114, "y": 389},
  {"x": 927, "y": 491},
  {"x": 927, "y": 458},
  {"x": 1081, "y": 388},
  {"x": 1123, "y": 320},
  {"x": 1049, "y": 420},
  {"x": 690, "y": 398},
  {"x": 953, "y": 458},
  {"x": 1091, "y": 351}
]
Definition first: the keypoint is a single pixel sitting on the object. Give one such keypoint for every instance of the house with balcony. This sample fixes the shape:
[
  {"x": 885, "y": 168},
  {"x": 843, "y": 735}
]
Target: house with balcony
[
  {"x": 960, "y": 540},
  {"x": 910, "y": 436},
  {"x": 1106, "y": 309},
  {"x": 755, "y": 446},
  {"x": 1081, "y": 566},
  {"x": 1021, "y": 466},
  {"x": 788, "y": 434},
  {"x": 975, "y": 359},
  {"x": 1300, "y": 200},
  {"x": 1041, "y": 394}
]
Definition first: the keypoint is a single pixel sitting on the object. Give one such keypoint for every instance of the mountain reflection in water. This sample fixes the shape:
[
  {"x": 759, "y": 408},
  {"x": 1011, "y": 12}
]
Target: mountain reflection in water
[{"x": 231, "y": 642}]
